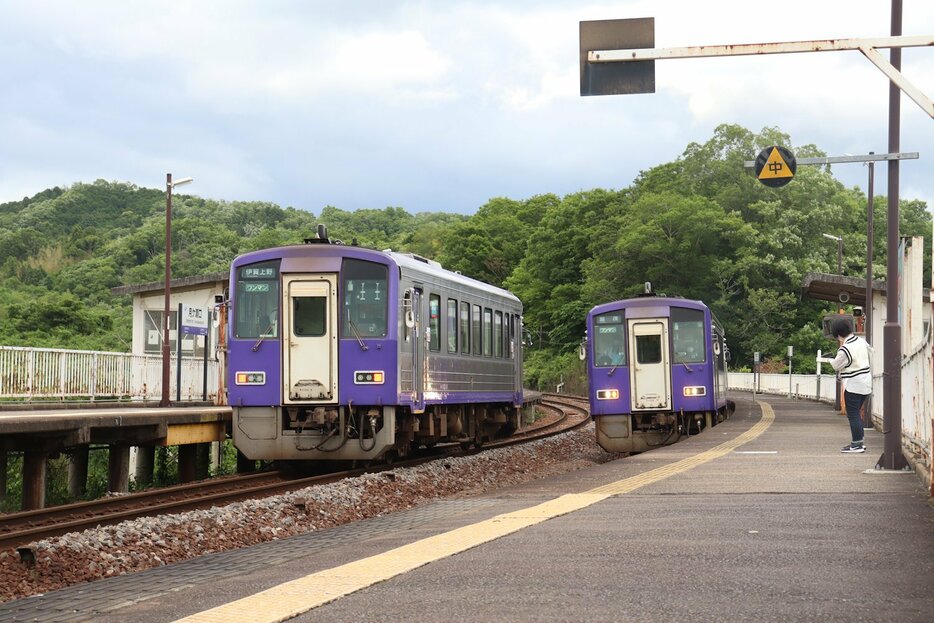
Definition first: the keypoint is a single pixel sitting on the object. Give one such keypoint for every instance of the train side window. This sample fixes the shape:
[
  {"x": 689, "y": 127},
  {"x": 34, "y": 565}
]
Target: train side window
[
  {"x": 514, "y": 334},
  {"x": 434, "y": 322},
  {"x": 507, "y": 319},
  {"x": 477, "y": 326},
  {"x": 465, "y": 328},
  {"x": 487, "y": 332},
  {"x": 452, "y": 326},
  {"x": 498, "y": 333}
]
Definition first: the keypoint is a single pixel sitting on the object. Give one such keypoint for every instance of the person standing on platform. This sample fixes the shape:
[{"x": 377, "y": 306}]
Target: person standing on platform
[{"x": 854, "y": 363}]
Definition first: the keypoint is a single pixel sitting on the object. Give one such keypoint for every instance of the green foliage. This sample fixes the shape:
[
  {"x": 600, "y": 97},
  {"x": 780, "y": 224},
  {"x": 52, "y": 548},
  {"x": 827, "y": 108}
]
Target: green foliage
[
  {"x": 545, "y": 370},
  {"x": 11, "y": 500}
]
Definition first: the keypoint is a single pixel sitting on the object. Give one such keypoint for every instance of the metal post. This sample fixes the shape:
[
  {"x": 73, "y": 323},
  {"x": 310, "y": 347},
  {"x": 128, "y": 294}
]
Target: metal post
[
  {"x": 892, "y": 331},
  {"x": 755, "y": 374},
  {"x": 207, "y": 344},
  {"x": 168, "y": 291},
  {"x": 178, "y": 355},
  {"x": 867, "y": 308},
  {"x": 818, "y": 375}
]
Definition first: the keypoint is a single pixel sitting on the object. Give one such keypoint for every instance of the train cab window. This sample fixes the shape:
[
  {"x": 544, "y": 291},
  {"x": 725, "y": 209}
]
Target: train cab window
[
  {"x": 452, "y": 326},
  {"x": 609, "y": 340},
  {"x": 477, "y": 326},
  {"x": 256, "y": 301},
  {"x": 465, "y": 328},
  {"x": 498, "y": 334},
  {"x": 687, "y": 331},
  {"x": 434, "y": 322},
  {"x": 309, "y": 316},
  {"x": 365, "y": 309},
  {"x": 487, "y": 332}
]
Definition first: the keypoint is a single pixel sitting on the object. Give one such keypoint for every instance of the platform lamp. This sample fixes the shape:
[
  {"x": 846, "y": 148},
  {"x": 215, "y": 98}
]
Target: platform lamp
[
  {"x": 839, "y": 240},
  {"x": 166, "y": 359}
]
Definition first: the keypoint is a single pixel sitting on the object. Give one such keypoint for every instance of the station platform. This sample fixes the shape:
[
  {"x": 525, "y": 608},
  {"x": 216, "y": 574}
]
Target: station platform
[{"x": 759, "y": 518}]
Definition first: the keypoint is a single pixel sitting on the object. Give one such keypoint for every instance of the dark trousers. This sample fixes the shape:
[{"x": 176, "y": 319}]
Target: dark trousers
[{"x": 853, "y": 403}]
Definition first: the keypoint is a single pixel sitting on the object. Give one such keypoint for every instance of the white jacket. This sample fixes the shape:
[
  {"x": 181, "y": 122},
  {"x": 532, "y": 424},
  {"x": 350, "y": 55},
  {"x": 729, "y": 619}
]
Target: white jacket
[{"x": 854, "y": 363}]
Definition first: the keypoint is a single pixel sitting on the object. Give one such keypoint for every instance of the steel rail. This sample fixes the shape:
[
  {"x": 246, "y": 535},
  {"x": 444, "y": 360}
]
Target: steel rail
[{"x": 24, "y": 528}]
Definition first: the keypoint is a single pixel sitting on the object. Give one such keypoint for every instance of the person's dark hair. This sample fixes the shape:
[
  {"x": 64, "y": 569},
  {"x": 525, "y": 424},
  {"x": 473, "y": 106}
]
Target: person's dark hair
[{"x": 841, "y": 327}]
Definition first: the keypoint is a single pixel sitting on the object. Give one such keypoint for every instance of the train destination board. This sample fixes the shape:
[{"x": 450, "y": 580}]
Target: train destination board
[{"x": 775, "y": 166}]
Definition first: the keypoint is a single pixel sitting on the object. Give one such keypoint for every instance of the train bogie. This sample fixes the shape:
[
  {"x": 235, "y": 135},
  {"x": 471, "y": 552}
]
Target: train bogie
[
  {"x": 342, "y": 353},
  {"x": 657, "y": 371}
]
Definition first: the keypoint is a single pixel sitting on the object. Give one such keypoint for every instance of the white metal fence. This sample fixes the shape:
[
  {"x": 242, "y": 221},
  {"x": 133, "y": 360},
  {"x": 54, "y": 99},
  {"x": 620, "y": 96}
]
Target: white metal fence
[
  {"x": 917, "y": 396},
  {"x": 810, "y": 386},
  {"x": 52, "y": 374}
]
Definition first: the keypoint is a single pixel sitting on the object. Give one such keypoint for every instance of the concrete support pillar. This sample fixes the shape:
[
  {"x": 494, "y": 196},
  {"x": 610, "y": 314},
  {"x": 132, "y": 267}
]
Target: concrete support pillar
[
  {"x": 78, "y": 471},
  {"x": 217, "y": 455},
  {"x": 145, "y": 465},
  {"x": 203, "y": 460},
  {"x": 245, "y": 465},
  {"x": 118, "y": 469},
  {"x": 35, "y": 470},
  {"x": 187, "y": 462}
]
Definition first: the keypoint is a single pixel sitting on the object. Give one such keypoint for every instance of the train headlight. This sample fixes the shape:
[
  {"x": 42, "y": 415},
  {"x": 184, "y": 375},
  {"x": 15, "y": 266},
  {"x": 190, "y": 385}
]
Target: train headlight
[
  {"x": 254, "y": 377},
  {"x": 607, "y": 394},
  {"x": 696, "y": 390},
  {"x": 369, "y": 377}
]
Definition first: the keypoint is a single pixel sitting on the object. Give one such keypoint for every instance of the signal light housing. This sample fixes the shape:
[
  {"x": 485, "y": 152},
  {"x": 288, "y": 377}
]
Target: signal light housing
[
  {"x": 253, "y": 377},
  {"x": 369, "y": 377}
]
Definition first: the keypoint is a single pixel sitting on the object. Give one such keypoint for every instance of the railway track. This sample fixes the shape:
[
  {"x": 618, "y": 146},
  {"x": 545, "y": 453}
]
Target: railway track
[{"x": 18, "y": 530}]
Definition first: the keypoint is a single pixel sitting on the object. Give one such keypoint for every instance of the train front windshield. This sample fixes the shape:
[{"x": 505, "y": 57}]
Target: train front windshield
[
  {"x": 256, "y": 303},
  {"x": 365, "y": 286},
  {"x": 688, "y": 335},
  {"x": 609, "y": 340}
]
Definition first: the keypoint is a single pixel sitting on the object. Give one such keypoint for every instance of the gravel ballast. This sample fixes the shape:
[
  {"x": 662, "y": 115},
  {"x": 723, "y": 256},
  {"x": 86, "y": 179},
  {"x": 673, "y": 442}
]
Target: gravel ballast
[{"x": 149, "y": 542}]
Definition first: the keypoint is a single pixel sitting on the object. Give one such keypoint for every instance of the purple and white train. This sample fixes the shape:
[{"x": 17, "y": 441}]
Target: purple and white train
[
  {"x": 337, "y": 352},
  {"x": 656, "y": 369}
]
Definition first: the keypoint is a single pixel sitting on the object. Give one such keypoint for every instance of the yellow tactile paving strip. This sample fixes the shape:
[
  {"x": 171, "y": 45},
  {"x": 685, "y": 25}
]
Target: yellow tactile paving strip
[{"x": 290, "y": 599}]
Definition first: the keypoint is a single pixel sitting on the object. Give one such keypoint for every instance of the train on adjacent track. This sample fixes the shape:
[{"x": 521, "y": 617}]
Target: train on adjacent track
[
  {"x": 657, "y": 371},
  {"x": 338, "y": 352}
]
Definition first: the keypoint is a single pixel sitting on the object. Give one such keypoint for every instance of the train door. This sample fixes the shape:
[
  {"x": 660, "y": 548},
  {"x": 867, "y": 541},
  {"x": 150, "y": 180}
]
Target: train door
[
  {"x": 418, "y": 353},
  {"x": 719, "y": 361},
  {"x": 309, "y": 316},
  {"x": 649, "y": 368}
]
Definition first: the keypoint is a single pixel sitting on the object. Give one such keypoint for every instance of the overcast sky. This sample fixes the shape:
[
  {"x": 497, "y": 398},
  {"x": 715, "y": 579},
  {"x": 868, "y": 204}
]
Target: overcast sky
[{"x": 424, "y": 105}]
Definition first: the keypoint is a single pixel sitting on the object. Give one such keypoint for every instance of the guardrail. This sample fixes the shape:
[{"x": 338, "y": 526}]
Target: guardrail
[
  {"x": 811, "y": 386},
  {"x": 53, "y": 374}
]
